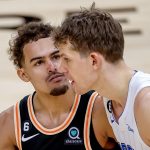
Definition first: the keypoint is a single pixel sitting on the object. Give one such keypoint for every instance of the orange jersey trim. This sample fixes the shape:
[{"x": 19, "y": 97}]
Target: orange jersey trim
[
  {"x": 88, "y": 121},
  {"x": 17, "y": 124},
  {"x": 58, "y": 129}
]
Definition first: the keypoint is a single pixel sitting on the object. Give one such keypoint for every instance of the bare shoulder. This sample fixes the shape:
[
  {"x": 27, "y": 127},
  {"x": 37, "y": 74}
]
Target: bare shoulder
[
  {"x": 143, "y": 101},
  {"x": 102, "y": 128},
  {"x": 99, "y": 113},
  {"x": 7, "y": 138},
  {"x": 6, "y": 118},
  {"x": 99, "y": 118},
  {"x": 142, "y": 111}
]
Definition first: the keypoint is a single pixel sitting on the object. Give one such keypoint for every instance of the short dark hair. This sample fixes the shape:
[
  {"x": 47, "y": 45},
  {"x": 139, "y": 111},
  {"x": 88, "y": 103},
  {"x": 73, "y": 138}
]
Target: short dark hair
[
  {"x": 32, "y": 31},
  {"x": 92, "y": 30}
]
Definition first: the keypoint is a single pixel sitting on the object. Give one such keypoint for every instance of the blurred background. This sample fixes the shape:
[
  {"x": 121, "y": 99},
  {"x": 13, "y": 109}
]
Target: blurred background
[{"x": 134, "y": 16}]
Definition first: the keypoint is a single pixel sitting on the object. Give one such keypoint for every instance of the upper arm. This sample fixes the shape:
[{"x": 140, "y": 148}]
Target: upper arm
[
  {"x": 142, "y": 112},
  {"x": 7, "y": 132},
  {"x": 102, "y": 128}
]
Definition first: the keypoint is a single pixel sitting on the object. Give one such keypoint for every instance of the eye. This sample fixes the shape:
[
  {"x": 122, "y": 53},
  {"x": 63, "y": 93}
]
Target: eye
[
  {"x": 38, "y": 63},
  {"x": 55, "y": 57},
  {"x": 66, "y": 59}
]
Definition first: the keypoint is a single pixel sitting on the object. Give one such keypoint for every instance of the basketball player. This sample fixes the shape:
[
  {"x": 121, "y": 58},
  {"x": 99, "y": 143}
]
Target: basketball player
[
  {"x": 53, "y": 117},
  {"x": 91, "y": 44}
]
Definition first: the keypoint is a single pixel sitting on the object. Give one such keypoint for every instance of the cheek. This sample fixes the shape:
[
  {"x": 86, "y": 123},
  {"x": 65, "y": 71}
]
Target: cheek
[
  {"x": 38, "y": 82},
  {"x": 75, "y": 71},
  {"x": 37, "y": 75}
]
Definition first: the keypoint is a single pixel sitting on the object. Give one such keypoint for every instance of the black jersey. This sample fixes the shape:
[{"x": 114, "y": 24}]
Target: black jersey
[{"x": 75, "y": 133}]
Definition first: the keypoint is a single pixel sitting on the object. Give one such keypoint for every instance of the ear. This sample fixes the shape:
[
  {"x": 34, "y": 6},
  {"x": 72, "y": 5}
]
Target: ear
[
  {"x": 23, "y": 75},
  {"x": 96, "y": 60}
]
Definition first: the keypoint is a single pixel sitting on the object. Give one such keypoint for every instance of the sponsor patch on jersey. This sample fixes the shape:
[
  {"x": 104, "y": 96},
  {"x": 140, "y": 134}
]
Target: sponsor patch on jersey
[{"x": 73, "y": 137}]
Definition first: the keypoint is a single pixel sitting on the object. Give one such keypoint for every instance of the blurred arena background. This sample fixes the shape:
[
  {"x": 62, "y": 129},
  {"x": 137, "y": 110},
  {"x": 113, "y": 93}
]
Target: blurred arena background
[{"x": 134, "y": 15}]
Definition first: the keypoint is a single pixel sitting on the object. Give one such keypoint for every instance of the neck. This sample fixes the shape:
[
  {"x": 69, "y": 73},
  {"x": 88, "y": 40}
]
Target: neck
[
  {"x": 114, "y": 82},
  {"x": 53, "y": 105}
]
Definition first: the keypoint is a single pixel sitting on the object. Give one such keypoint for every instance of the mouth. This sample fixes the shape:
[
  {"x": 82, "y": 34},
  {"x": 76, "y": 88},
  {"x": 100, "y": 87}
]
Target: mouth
[{"x": 56, "y": 78}]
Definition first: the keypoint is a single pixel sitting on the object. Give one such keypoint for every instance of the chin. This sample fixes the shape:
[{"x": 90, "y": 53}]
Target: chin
[{"x": 59, "y": 90}]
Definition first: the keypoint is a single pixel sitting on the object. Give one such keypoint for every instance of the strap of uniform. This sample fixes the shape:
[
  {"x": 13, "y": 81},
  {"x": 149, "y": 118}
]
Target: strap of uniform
[
  {"x": 17, "y": 122},
  {"x": 88, "y": 121}
]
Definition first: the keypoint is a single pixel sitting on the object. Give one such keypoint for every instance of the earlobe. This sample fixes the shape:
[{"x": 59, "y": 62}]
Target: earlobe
[{"x": 22, "y": 75}]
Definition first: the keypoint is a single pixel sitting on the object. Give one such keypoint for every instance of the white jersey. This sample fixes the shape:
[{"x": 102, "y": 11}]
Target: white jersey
[{"x": 126, "y": 130}]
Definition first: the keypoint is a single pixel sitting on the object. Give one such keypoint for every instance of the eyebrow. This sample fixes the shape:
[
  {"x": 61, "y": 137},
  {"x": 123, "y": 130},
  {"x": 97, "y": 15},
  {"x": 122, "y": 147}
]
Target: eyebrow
[{"x": 40, "y": 57}]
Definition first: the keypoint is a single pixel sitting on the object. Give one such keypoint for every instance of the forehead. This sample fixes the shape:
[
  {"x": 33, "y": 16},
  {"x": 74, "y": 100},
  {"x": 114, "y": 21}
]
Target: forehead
[
  {"x": 67, "y": 50},
  {"x": 41, "y": 46},
  {"x": 41, "y": 43}
]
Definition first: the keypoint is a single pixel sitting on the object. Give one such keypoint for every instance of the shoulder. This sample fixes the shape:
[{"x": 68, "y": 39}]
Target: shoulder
[
  {"x": 102, "y": 128},
  {"x": 7, "y": 116},
  {"x": 142, "y": 111},
  {"x": 99, "y": 116},
  {"x": 98, "y": 107},
  {"x": 143, "y": 99},
  {"x": 7, "y": 126}
]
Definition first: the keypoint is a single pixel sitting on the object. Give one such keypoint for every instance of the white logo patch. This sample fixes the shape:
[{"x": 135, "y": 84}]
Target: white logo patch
[{"x": 24, "y": 139}]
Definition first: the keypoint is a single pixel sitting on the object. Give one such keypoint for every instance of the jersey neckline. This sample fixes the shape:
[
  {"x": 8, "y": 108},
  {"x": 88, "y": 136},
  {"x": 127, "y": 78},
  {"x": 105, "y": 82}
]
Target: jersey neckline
[{"x": 57, "y": 129}]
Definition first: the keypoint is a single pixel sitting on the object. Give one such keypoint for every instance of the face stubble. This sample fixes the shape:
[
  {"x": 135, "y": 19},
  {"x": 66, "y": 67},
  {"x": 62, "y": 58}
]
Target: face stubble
[{"x": 59, "y": 90}]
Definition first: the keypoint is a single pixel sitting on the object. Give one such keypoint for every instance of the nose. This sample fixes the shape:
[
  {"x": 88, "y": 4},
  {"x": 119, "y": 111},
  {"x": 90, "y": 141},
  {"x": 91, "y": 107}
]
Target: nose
[{"x": 51, "y": 67}]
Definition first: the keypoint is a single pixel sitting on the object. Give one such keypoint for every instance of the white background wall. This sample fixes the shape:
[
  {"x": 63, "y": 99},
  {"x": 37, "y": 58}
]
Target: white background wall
[{"x": 137, "y": 47}]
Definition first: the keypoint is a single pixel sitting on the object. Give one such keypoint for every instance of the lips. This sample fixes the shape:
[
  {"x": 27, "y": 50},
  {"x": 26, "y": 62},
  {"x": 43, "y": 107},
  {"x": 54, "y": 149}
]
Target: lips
[{"x": 55, "y": 77}]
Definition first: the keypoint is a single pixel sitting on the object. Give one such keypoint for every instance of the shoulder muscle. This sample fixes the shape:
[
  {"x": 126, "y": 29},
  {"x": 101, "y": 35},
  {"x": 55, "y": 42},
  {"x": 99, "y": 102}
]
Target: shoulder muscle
[{"x": 7, "y": 138}]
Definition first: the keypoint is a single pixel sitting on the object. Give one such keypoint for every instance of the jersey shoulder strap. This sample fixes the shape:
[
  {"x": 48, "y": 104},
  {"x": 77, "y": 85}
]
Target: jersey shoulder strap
[{"x": 18, "y": 111}]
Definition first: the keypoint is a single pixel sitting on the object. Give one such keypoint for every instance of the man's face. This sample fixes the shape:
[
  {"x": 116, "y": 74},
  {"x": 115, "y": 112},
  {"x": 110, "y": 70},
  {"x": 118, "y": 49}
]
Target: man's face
[
  {"x": 78, "y": 69},
  {"x": 40, "y": 67}
]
